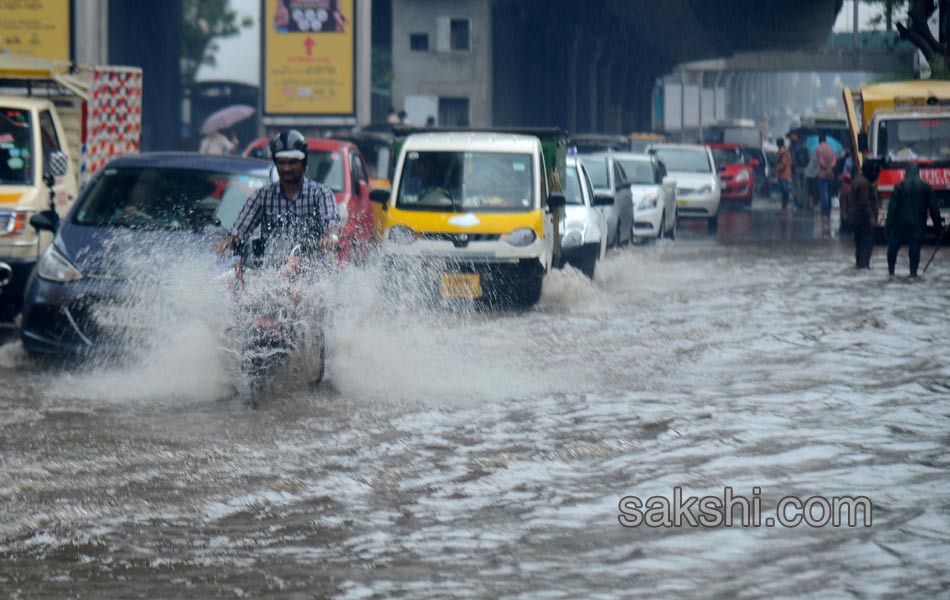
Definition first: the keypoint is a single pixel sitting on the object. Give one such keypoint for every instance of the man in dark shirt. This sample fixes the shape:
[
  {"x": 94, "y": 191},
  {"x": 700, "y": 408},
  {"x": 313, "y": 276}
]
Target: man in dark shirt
[
  {"x": 862, "y": 215},
  {"x": 296, "y": 208},
  {"x": 906, "y": 220}
]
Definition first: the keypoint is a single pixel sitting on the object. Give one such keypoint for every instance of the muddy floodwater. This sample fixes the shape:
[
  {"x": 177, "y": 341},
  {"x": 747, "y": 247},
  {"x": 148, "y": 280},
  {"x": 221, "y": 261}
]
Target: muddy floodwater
[{"x": 473, "y": 454}]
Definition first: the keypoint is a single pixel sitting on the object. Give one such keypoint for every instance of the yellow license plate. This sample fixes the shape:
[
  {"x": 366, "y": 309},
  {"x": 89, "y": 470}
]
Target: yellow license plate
[
  {"x": 682, "y": 203},
  {"x": 460, "y": 285}
]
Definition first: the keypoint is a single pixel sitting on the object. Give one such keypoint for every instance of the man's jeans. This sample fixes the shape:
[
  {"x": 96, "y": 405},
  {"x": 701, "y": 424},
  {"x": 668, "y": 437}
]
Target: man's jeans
[
  {"x": 783, "y": 185},
  {"x": 823, "y": 195},
  {"x": 894, "y": 243}
]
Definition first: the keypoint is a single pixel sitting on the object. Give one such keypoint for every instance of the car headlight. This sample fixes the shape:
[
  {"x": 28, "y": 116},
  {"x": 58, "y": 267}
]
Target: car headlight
[
  {"x": 706, "y": 189},
  {"x": 742, "y": 176},
  {"x": 401, "y": 235},
  {"x": 572, "y": 239},
  {"x": 520, "y": 237},
  {"x": 53, "y": 266},
  {"x": 648, "y": 201}
]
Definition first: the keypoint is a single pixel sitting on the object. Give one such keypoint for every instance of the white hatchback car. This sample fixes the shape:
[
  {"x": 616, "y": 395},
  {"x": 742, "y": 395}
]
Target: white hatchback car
[
  {"x": 583, "y": 229},
  {"x": 697, "y": 180},
  {"x": 654, "y": 195}
]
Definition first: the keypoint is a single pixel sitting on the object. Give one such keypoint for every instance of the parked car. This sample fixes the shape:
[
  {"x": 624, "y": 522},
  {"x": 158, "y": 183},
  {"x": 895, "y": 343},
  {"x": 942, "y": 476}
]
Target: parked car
[
  {"x": 697, "y": 183},
  {"x": 583, "y": 229},
  {"x": 340, "y": 165},
  {"x": 735, "y": 171},
  {"x": 640, "y": 141},
  {"x": 654, "y": 195},
  {"x": 153, "y": 206},
  {"x": 609, "y": 180},
  {"x": 592, "y": 143}
]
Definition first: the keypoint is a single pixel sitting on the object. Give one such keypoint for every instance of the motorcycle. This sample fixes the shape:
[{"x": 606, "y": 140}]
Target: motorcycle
[{"x": 280, "y": 331}]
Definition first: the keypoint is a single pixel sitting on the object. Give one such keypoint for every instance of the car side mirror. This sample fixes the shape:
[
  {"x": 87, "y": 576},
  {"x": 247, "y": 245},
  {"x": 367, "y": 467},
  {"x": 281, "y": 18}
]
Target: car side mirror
[
  {"x": 754, "y": 162},
  {"x": 603, "y": 200},
  {"x": 47, "y": 220},
  {"x": 556, "y": 200},
  {"x": 379, "y": 195},
  {"x": 57, "y": 163}
]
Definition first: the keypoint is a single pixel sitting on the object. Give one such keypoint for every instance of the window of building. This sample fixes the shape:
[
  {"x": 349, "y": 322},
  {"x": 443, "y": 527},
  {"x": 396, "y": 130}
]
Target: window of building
[
  {"x": 453, "y": 112},
  {"x": 419, "y": 42},
  {"x": 461, "y": 37}
]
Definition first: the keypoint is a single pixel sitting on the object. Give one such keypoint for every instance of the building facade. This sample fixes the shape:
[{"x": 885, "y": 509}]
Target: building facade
[{"x": 442, "y": 61}]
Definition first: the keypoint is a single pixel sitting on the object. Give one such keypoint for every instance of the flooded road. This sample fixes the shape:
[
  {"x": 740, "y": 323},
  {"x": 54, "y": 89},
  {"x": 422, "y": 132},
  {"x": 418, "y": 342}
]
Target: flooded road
[{"x": 476, "y": 455}]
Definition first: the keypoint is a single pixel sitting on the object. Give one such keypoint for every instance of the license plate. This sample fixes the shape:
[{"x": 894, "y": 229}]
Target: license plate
[
  {"x": 460, "y": 285},
  {"x": 682, "y": 203}
]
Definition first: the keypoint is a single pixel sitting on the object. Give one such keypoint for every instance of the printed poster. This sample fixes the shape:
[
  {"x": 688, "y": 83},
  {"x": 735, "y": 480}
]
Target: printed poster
[
  {"x": 309, "y": 59},
  {"x": 35, "y": 29}
]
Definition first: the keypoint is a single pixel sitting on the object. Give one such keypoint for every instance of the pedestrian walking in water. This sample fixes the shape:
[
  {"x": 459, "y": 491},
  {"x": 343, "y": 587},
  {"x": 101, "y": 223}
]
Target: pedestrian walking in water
[
  {"x": 906, "y": 221},
  {"x": 862, "y": 215},
  {"x": 826, "y": 172},
  {"x": 783, "y": 171}
]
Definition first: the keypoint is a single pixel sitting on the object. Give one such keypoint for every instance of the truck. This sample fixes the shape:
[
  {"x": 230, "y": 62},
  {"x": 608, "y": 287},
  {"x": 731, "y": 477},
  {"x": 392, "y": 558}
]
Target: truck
[
  {"x": 474, "y": 214},
  {"x": 895, "y": 124},
  {"x": 59, "y": 123}
]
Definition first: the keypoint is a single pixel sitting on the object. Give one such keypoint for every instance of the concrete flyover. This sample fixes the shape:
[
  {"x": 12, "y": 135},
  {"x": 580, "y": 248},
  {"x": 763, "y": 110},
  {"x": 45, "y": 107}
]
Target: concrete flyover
[
  {"x": 590, "y": 66},
  {"x": 867, "y": 60}
]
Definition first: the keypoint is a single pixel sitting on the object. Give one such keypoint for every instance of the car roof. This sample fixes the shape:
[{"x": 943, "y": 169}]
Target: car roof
[
  {"x": 624, "y": 156},
  {"x": 191, "y": 160},
  {"x": 725, "y": 146},
  {"x": 697, "y": 147},
  {"x": 313, "y": 143},
  {"x": 472, "y": 140}
]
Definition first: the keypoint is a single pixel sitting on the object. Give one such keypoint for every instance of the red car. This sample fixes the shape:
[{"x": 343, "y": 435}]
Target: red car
[
  {"x": 339, "y": 165},
  {"x": 736, "y": 171}
]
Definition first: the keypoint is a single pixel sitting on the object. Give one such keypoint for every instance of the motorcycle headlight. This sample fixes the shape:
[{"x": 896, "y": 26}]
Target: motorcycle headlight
[
  {"x": 648, "y": 201},
  {"x": 520, "y": 237},
  {"x": 401, "y": 235},
  {"x": 742, "y": 176},
  {"x": 53, "y": 266},
  {"x": 572, "y": 239}
]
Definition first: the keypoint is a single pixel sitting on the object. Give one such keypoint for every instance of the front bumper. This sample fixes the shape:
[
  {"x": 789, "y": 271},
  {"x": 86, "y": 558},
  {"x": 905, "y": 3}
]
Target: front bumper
[
  {"x": 646, "y": 221},
  {"x": 737, "y": 191},
  {"x": 79, "y": 318},
  {"x": 698, "y": 206}
]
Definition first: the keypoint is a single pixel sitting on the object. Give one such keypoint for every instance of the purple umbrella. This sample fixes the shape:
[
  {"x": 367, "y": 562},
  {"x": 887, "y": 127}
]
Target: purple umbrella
[{"x": 226, "y": 117}]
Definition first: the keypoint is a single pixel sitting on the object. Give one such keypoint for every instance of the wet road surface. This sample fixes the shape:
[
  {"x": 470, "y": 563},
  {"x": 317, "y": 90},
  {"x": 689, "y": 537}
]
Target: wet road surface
[{"x": 465, "y": 454}]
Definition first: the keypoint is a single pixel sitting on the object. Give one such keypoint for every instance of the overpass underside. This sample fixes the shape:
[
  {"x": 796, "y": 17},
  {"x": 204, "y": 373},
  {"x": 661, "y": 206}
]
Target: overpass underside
[{"x": 591, "y": 66}]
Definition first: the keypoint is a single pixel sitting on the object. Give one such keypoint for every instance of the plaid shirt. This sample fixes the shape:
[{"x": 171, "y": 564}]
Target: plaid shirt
[{"x": 304, "y": 218}]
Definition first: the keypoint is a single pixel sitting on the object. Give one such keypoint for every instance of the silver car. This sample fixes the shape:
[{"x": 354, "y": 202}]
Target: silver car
[
  {"x": 654, "y": 195},
  {"x": 610, "y": 180}
]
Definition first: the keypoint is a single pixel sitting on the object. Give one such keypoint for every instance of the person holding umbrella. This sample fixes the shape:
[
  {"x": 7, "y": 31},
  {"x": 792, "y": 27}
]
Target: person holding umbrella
[{"x": 216, "y": 142}]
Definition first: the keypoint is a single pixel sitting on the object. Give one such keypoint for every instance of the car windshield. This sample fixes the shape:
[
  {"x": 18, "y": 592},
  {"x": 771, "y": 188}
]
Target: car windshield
[
  {"x": 16, "y": 158},
  {"x": 728, "y": 156},
  {"x": 166, "y": 198},
  {"x": 326, "y": 167},
  {"x": 909, "y": 139},
  {"x": 572, "y": 188},
  {"x": 464, "y": 181},
  {"x": 638, "y": 172},
  {"x": 597, "y": 170},
  {"x": 684, "y": 160}
]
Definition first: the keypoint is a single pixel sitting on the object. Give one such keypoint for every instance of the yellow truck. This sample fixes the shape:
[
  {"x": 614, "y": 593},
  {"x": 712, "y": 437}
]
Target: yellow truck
[
  {"x": 59, "y": 124},
  {"x": 898, "y": 123}
]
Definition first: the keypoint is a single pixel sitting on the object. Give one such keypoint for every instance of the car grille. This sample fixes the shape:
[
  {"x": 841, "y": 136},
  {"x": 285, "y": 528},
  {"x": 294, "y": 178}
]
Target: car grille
[
  {"x": 453, "y": 237},
  {"x": 104, "y": 320}
]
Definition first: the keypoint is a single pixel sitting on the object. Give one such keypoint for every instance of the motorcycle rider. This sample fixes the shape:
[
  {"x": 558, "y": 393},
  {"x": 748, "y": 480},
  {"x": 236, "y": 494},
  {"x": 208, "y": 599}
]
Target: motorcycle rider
[{"x": 299, "y": 209}]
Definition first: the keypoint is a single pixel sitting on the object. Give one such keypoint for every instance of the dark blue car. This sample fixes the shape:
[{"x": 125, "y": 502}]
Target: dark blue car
[{"x": 140, "y": 217}]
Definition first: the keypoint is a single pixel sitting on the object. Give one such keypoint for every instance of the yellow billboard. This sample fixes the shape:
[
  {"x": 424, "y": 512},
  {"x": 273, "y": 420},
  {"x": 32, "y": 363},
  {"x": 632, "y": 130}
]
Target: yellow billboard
[
  {"x": 309, "y": 63},
  {"x": 35, "y": 28}
]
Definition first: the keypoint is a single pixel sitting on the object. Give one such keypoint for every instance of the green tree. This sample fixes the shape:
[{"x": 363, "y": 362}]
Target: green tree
[{"x": 203, "y": 22}]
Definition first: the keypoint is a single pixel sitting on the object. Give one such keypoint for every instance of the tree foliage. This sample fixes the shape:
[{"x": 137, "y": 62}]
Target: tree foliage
[{"x": 203, "y": 22}]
